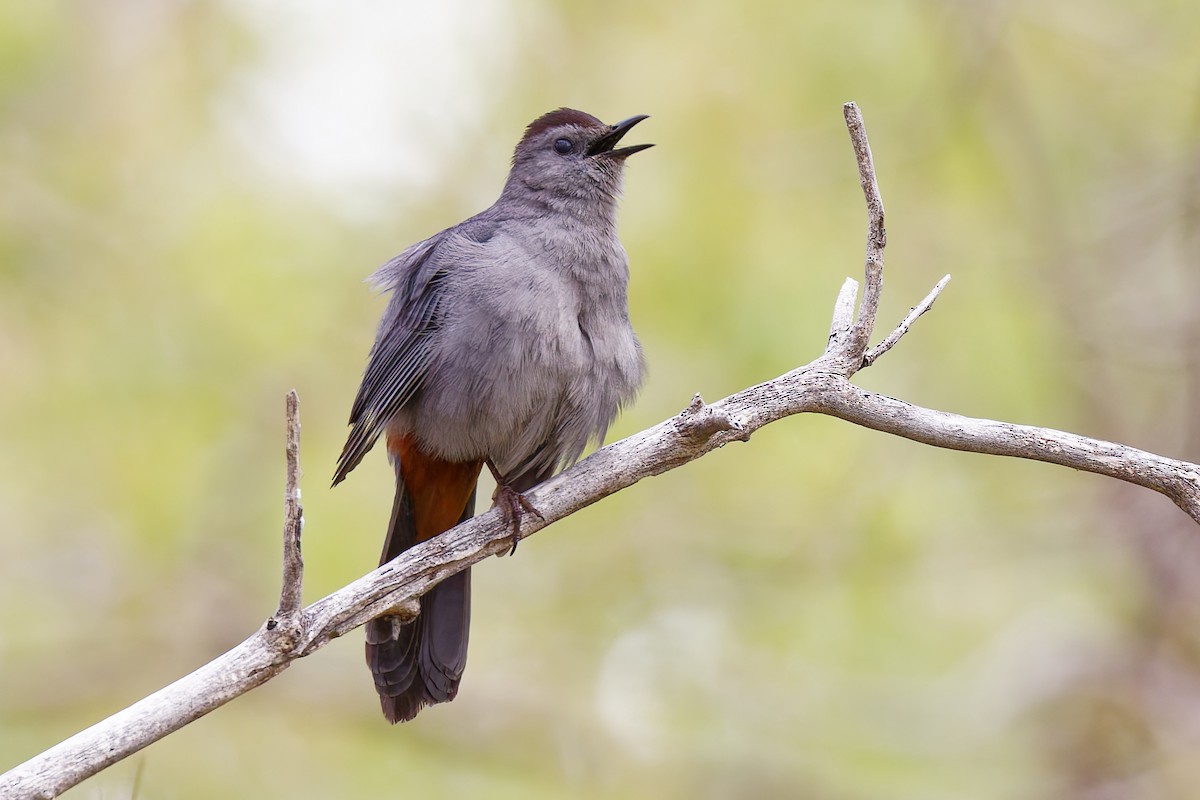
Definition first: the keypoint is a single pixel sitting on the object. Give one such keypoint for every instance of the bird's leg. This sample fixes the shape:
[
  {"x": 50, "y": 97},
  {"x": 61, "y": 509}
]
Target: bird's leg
[{"x": 511, "y": 503}]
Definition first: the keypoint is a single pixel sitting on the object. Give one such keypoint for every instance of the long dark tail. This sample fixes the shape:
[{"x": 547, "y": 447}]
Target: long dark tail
[{"x": 420, "y": 663}]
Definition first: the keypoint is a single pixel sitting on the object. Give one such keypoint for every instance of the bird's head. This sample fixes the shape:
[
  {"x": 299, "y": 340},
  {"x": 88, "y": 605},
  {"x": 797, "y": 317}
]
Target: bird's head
[{"x": 570, "y": 154}]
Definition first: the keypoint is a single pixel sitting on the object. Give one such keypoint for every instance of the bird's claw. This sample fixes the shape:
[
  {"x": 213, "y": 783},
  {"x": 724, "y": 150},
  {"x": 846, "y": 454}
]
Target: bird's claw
[{"x": 512, "y": 503}]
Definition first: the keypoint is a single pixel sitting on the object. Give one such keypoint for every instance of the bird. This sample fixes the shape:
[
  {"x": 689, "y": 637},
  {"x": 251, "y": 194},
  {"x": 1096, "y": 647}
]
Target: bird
[{"x": 506, "y": 342}]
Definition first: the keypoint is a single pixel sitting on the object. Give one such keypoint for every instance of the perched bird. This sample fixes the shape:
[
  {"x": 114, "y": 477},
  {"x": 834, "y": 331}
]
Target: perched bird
[{"x": 506, "y": 342}]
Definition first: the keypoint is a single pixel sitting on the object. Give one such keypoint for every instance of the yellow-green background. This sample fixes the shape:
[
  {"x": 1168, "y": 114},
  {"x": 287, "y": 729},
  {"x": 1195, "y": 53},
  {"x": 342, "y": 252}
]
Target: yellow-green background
[{"x": 191, "y": 193}]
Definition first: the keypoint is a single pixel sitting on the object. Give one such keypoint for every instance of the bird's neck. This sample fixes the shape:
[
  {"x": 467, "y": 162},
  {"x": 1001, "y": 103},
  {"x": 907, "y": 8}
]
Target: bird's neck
[{"x": 591, "y": 205}]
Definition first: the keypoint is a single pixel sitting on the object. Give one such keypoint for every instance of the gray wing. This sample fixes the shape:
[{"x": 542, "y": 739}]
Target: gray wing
[{"x": 399, "y": 358}]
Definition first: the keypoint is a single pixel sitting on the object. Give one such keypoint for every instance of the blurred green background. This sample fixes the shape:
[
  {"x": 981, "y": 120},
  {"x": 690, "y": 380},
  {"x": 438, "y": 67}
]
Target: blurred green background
[{"x": 192, "y": 192}]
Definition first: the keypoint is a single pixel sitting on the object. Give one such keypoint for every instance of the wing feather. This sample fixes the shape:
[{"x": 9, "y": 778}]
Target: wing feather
[{"x": 399, "y": 359}]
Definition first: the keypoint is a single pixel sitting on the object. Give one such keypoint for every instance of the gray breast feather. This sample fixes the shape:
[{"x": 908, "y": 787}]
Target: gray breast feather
[{"x": 492, "y": 347}]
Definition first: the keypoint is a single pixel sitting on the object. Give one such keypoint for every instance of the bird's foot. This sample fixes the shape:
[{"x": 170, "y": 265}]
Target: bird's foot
[{"x": 512, "y": 503}]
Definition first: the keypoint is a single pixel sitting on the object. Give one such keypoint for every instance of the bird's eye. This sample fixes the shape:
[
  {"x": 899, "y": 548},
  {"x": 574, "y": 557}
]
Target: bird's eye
[{"x": 563, "y": 146}]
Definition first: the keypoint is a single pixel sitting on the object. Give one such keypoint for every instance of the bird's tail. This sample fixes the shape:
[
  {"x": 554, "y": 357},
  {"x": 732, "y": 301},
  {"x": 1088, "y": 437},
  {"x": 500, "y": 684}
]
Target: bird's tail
[{"x": 420, "y": 663}]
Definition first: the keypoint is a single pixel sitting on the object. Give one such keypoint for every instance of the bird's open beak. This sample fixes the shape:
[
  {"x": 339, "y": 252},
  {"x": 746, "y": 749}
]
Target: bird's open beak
[{"x": 605, "y": 144}]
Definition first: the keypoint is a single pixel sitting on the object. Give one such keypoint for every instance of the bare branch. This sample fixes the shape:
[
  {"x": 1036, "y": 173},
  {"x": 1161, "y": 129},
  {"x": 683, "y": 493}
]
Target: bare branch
[
  {"x": 876, "y": 234},
  {"x": 823, "y": 386},
  {"x": 1178, "y": 480},
  {"x": 843, "y": 317},
  {"x": 245, "y": 667},
  {"x": 920, "y": 308},
  {"x": 291, "y": 594}
]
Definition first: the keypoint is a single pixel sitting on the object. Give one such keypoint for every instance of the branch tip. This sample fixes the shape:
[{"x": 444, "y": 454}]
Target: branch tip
[
  {"x": 843, "y": 316},
  {"x": 873, "y": 355},
  {"x": 864, "y": 325}
]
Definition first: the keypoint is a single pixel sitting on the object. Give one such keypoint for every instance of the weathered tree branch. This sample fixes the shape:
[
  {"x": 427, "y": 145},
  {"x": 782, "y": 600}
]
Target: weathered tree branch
[
  {"x": 872, "y": 355},
  {"x": 876, "y": 237},
  {"x": 822, "y": 386},
  {"x": 290, "y": 594}
]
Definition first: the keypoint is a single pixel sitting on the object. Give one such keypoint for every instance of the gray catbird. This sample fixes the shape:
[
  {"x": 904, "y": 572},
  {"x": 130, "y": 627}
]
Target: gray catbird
[{"x": 506, "y": 342}]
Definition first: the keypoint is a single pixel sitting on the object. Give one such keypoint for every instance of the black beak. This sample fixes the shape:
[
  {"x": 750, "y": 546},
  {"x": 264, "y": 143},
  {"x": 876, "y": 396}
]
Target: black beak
[{"x": 605, "y": 144}]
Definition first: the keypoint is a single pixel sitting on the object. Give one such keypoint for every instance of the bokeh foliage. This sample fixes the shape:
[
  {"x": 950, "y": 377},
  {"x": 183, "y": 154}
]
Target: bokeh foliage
[{"x": 824, "y": 612}]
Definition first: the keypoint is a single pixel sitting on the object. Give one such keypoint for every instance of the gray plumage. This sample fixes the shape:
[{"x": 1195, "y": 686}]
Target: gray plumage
[
  {"x": 507, "y": 336},
  {"x": 506, "y": 341}
]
